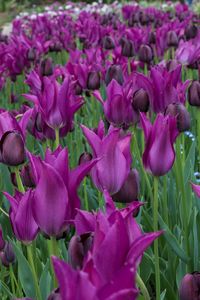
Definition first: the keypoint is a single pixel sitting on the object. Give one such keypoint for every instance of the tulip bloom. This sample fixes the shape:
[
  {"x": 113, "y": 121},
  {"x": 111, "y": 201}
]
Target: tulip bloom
[
  {"x": 159, "y": 154},
  {"x": 196, "y": 189},
  {"x": 56, "y": 195},
  {"x": 56, "y": 103},
  {"x": 112, "y": 169},
  {"x": 118, "y": 106},
  {"x": 21, "y": 217}
]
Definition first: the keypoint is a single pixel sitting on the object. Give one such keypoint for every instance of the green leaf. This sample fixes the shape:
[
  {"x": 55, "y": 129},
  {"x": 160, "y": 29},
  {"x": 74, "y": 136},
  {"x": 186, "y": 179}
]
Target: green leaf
[
  {"x": 45, "y": 281},
  {"x": 25, "y": 273},
  {"x": 172, "y": 241},
  {"x": 6, "y": 289}
]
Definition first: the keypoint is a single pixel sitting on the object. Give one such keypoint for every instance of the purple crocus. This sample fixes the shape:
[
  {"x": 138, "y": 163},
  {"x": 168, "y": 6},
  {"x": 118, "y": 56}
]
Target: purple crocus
[
  {"x": 21, "y": 217},
  {"x": 159, "y": 154},
  {"x": 114, "y": 150}
]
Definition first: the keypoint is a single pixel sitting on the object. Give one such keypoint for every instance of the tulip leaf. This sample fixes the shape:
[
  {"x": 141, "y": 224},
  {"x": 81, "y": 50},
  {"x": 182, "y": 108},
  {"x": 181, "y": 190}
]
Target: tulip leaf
[
  {"x": 172, "y": 241},
  {"x": 189, "y": 163},
  {"x": 45, "y": 281},
  {"x": 162, "y": 296},
  {"x": 25, "y": 273},
  {"x": 6, "y": 289}
]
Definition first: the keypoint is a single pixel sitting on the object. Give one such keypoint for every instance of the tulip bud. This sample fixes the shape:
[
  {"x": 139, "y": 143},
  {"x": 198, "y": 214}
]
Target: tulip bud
[
  {"x": 114, "y": 72},
  {"x": 93, "y": 81},
  {"x": 4, "y": 261},
  {"x": 172, "y": 39},
  {"x": 85, "y": 157},
  {"x": 46, "y": 67},
  {"x": 144, "y": 18},
  {"x": 13, "y": 98},
  {"x": 2, "y": 242},
  {"x": 78, "y": 248},
  {"x": 12, "y": 149},
  {"x": 145, "y": 54},
  {"x": 194, "y": 93},
  {"x": 191, "y": 32},
  {"x": 127, "y": 48},
  {"x": 129, "y": 190},
  {"x": 179, "y": 111},
  {"x": 39, "y": 122},
  {"x": 152, "y": 38},
  {"x": 108, "y": 43},
  {"x": 140, "y": 101},
  {"x": 9, "y": 253},
  {"x": 78, "y": 89},
  {"x": 54, "y": 295},
  {"x": 31, "y": 54},
  {"x": 27, "y": 177},
  {"x": 190, "y": 287}
]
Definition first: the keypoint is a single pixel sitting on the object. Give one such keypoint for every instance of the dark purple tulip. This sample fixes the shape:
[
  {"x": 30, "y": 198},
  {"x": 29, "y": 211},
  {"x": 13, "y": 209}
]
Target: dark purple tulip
[
  {"x": 159, "y": 154},
  {"x": 55, "y": 295},
  {"x": 2, "y": 242},
  {"x": 78, "y": 248},
  {"x": 190, "y": 287},
  {"x": 140, "y": 100},
  {"x": 145, "y": 54},
  {"x": 12, "y": 149},
  {"x": 108, "y": 43},
  {"x": 85, "y": 157},
  {"x": 130, "y": 189},
  {"x": 191, "y": 31},
  {"x": 93, "y": 81},
  {"x": 31, "y": 55},
  {"x": 179, "y": 111},
  {"x": 127, "y": 48},
  {"x": 172, "y": 39},
  {"x": 4, "y": 261},
  {"x": 172, "y": 64},
  {"x": 78, "y": 89},
  {"x": 194, "y": 93},
  {"x": 114, "y": 72},
  {"x": 46, "y": 67},
  {"x": 27, "y": 176},
  {"x": 152, "y": 38},
  {"x": 9, "y": 253}
]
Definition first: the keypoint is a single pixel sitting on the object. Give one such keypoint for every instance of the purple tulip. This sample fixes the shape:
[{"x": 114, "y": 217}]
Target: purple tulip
[
  {"x": 61, "y": 200},
  {"x": 163, "y": 87},
  {"x": 57, "y": 103},
  {"x": 21, "y": 217},
  {"x": 190, "y": 287},
  {"x": 159, "y": 154},
  {"x": 118, "y": 108},
  {"x": 113, "y": 168},
  {"x": 196, "y": 189}
]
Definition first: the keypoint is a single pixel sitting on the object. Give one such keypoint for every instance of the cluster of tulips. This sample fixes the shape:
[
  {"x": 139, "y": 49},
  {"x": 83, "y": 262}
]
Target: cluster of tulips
[{"x": 100, "y": 154}]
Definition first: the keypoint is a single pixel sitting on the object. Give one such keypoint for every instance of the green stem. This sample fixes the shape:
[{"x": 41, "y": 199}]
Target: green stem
[
  {"x": 19, "y": 181},
  {"x": 184, "y": 199},
  {"x": 129, "y": 66},
  {"x": 142, "y": 287},
  {"x": 165, "y": 201},
  {"x": 53, "y": 251},
  {"x": 198, "y": 135},
  {"x": 57, "y": 140},
  {"x": 32, "y": 265},
  {"x": 155, "y": 228},
  {"x": 12, "y": 279}
]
